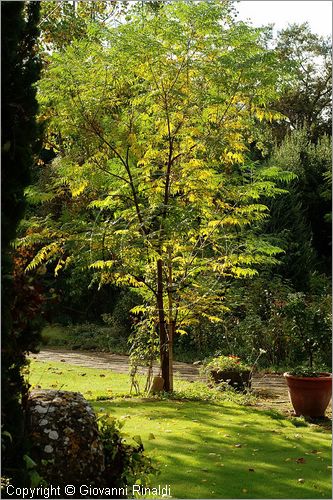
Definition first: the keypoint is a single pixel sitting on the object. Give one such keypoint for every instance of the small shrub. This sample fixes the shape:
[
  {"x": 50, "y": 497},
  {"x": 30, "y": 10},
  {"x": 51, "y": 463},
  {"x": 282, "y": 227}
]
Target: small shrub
[
  {"x": 224, "y": 363},
  {"x": 125, "y": 464}
]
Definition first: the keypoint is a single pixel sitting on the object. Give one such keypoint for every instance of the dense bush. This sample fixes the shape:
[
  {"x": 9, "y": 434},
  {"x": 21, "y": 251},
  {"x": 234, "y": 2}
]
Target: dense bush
[
  {"x": 108, "y": 332},
  {"x": 292, "y": 327},
  {"x": 267, "y": 314},
  {"x": 87, "y": 336}
]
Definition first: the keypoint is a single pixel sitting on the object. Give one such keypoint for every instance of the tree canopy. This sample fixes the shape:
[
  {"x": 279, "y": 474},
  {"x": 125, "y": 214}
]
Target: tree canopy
[{"x": 152, "y": 121}]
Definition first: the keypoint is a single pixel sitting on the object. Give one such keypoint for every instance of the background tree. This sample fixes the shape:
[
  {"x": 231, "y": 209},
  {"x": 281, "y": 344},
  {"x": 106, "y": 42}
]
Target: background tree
[
  {"x": 20, "y": 135},
  {"x": 299, "y": 219},
  {"x": 307, "y": 99}
]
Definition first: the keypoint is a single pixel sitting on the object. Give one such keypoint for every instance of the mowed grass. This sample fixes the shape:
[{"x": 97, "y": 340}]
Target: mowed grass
[
  {"x": 92, "y": 383},
  {"x": 209, "y": 449}
]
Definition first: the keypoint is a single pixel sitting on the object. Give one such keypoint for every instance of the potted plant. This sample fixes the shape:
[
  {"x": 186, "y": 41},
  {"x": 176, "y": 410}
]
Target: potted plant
[
  {"x": 309, "y": 391},
  {"x": 229, "y": 369}
]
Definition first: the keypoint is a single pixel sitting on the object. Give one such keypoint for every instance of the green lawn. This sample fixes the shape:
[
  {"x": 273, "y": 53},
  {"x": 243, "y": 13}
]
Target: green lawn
[
  {"x": 93, "y": 384},
  {"x": 209, "y": 449}
]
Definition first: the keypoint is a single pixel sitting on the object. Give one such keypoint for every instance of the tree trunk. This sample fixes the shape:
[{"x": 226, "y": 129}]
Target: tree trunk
[
  {"x": 170, "y": 345},
  {"x": 171, "y": 322},
  {"x": 164, "y": 346}
]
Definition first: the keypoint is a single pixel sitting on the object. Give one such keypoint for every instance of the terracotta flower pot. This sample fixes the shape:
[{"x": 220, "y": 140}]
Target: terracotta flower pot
[
  {"x": 238, "y": 380},
  {"x": 309, "y": 395}
]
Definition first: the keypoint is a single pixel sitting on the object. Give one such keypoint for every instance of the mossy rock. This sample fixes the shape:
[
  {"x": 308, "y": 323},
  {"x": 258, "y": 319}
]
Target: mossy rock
[{"x": 64, "y": 438}]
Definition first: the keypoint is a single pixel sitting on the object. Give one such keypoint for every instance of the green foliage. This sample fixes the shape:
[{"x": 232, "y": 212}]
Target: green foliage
[
  {"x": 61, "y": 22},
  {"x": 225, "y": 363},
  {"x": 20, "y": 136},
  {"x": 306, "y": 100},
  {"x": 310, "y": 317},
  {"x": 292, "y": 327},
  {"x": 88, "y": 336},
  {"x": 144, "y": 350},
  {"x": 151, "y": 131},
  {"x": 125, "y": 464},
  {"x": 299, "y": 220},
  {"x": 301, "y": 371},
  {"x": 34, "y": 478}
]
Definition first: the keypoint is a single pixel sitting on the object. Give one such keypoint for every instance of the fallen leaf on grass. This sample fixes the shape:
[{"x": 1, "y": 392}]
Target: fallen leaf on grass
[
  {"x": 300, "y": 460},
  {"x": 251, "y": 470},
  {"x": 301, "y": 480},
  {"x": 151, "y": 436},
  {"x": 238, "y": 445}
]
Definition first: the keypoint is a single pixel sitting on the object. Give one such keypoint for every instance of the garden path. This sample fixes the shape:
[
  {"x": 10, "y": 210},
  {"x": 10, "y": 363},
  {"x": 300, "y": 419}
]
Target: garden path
[{"x": 271, "y": 388}]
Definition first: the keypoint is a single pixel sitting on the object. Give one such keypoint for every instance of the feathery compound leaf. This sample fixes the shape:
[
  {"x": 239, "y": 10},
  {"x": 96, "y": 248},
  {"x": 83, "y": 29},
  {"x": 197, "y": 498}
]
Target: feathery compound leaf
[
  {"x": 102, "y": 264},
  {"x": 46, "y": 254}
]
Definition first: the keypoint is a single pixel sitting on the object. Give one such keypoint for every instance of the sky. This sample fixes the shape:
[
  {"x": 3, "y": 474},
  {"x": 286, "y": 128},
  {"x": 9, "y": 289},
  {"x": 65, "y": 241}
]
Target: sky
[{"x": 282, "y": 12}]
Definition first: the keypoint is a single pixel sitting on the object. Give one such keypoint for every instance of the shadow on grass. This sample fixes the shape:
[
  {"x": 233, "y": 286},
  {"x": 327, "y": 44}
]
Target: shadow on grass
[{"x": 216, "y": 450}]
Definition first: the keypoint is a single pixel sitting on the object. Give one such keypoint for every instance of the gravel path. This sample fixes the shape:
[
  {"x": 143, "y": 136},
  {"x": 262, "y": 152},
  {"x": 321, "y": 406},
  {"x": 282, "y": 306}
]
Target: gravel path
[{"x": 271, "y": 388}]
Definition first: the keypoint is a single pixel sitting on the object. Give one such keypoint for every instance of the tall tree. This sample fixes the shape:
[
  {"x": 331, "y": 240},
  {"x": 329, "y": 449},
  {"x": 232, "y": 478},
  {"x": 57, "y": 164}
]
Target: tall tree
[
  {"x": 307, "y": 99},
  {"x": 151, "y": 132},
  {"x": 20, "y": 70},
  {"x": 299, "y": 219}
]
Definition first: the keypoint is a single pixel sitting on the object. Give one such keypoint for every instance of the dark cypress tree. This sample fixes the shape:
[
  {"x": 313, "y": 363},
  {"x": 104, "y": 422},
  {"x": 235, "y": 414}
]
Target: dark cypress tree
[
  {"x": 299, "y": 220},
  {"x": 20, "y": 141}
]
